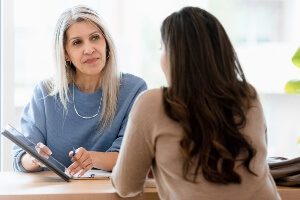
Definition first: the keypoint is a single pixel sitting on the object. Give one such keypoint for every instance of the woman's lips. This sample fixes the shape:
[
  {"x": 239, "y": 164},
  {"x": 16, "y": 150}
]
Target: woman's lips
[{"x": 91, "y": 60}]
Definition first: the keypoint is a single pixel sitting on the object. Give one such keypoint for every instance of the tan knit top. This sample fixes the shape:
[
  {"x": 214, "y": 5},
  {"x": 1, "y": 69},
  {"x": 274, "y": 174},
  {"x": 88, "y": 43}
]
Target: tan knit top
[{"x": 152, "y": 139}]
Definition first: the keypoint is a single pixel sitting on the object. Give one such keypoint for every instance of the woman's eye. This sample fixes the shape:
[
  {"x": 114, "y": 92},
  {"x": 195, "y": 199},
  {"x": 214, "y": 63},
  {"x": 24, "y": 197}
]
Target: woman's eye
[
  {"x": 76, "y": 42},
  {"x": 95, "y": 37}
]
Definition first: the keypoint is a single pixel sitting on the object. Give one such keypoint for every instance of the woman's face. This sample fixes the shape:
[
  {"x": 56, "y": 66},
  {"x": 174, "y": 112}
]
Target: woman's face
[
  {"x": 86, "y": 49},
  {"x": 164, "y": 63}
]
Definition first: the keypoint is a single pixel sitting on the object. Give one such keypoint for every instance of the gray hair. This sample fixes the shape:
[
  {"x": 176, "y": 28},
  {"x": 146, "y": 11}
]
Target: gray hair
[{"x": 110, "y": 77}]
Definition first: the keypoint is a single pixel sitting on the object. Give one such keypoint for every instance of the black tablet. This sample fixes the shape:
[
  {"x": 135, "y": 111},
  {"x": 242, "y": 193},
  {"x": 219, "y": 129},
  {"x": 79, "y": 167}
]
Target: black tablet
[{"x": 51, "y": 163}]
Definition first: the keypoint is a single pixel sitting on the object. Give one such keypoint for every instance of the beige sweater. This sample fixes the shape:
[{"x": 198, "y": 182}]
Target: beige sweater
[{"x": 152, "y": 139}]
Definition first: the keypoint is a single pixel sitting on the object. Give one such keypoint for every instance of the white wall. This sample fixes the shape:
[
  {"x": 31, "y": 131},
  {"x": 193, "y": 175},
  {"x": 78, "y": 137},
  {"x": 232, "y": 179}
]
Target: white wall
[{"x": 282, "y": 114}]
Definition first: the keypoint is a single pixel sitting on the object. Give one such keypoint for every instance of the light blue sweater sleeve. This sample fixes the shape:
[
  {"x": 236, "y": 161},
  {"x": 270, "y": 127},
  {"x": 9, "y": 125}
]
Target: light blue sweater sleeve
[
  {"x": 32, "y": 124},
  {"x": 45, "y": 120}
]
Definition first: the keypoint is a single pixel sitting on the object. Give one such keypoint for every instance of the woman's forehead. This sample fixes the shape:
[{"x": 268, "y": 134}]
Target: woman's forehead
[{"x": 81, "y": 29}]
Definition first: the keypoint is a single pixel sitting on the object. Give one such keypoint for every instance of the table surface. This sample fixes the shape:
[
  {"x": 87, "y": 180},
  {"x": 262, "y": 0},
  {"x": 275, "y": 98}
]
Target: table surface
[{"x": 47, "y": 185}]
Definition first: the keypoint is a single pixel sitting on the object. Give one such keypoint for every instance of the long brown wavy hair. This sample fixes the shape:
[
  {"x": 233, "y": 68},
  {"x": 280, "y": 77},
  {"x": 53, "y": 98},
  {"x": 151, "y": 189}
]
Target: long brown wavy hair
[{"x": 208, "y": 95}]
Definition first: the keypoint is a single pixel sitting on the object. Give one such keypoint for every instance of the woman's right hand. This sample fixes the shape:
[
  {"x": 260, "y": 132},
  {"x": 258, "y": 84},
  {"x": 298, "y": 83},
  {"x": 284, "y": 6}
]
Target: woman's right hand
[
  {"x": 43, "y": 150},
  {"x": 32, "y": 164}
]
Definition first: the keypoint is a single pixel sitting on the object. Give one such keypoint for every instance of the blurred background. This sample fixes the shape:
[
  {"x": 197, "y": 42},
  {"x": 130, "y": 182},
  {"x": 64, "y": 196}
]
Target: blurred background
[{"x": 265, "y": 34}]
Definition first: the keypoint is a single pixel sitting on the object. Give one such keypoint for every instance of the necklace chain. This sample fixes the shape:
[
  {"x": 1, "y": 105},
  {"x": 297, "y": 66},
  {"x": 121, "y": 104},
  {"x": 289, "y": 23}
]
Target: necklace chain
[{"x": 81, "y": 116}]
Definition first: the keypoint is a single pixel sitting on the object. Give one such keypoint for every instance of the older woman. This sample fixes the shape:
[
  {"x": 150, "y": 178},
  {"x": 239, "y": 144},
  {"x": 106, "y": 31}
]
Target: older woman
[{"x": 86, "y": 105}]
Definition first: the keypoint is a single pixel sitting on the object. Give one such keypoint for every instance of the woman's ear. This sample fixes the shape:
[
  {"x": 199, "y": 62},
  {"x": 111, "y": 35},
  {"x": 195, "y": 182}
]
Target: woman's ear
[{"x": 67, "y": 58}]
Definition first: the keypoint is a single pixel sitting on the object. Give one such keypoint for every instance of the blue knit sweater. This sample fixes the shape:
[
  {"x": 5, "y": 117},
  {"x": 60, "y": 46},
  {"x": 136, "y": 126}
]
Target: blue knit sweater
[{"x": 44, "y": 120}]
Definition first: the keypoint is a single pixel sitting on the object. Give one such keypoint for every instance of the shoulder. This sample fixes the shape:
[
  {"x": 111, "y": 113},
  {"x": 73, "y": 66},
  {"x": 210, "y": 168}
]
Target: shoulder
[
  {"x": 255, "y": 111},
  {"x": 256, "y": 133},
  {"x": 255, "y": 128},
  {"x": 151, "y": 95},
  {"x": 40, "y": 88},
  {"x": 43, "y": 88},
  {"x": 149, "y": 101},
  {"x": 131, "y": 80},
  {"x": 131, "y": 86}
]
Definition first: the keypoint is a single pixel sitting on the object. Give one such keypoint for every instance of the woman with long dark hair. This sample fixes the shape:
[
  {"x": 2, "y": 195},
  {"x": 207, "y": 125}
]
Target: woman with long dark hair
[{"x": 205, "y": 134}]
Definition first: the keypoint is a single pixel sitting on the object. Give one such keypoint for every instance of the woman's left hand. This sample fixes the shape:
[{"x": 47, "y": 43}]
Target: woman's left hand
[{"x": 82, "y": 161}]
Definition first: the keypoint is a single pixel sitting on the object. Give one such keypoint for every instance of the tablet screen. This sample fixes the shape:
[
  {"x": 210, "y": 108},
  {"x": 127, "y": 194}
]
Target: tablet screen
[{"x": 19, "y": 139}]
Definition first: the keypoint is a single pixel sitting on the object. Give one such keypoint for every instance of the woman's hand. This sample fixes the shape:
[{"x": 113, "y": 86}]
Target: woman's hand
[
  {"x": 44, "y": 151},
  {"x": 82, "y": 161},
  {"x": 32, "y": 164}
]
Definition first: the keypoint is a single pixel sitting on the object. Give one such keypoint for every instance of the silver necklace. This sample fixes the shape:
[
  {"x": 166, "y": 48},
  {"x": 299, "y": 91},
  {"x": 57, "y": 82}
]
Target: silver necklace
[{"x": 85, "y": 117}]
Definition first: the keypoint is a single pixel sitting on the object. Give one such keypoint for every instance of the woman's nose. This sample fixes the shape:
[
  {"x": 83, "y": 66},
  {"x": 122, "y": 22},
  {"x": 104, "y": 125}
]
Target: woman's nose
[{"x": 88, "y": 49}]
